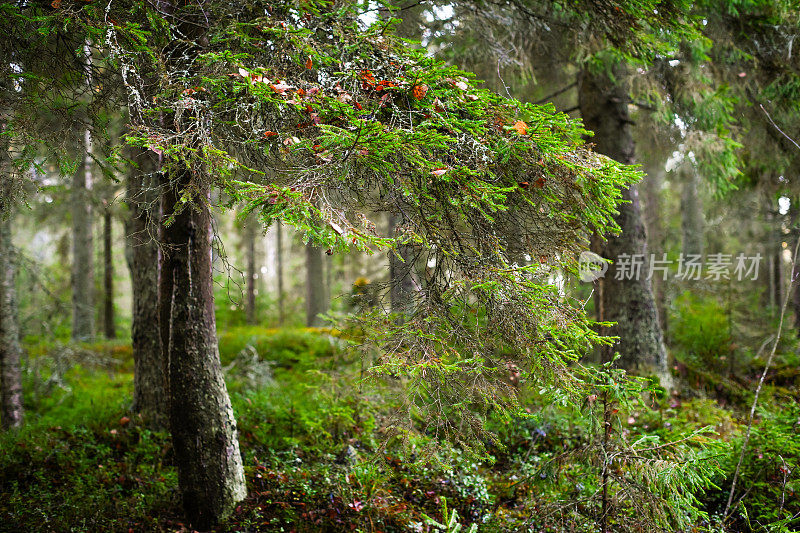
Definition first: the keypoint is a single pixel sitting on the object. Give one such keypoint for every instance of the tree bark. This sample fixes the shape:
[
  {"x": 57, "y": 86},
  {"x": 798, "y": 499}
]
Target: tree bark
[
  {"x": 10, "y": 349},
  {"x": 204, "y": 435},
  {"x": 82, "y": 249},
  {"x": 316, "y": 303},
  {"x": 149, "y": 392},
  {"x": 108, "y": 278},
  {"x": 628, "y": 302}
]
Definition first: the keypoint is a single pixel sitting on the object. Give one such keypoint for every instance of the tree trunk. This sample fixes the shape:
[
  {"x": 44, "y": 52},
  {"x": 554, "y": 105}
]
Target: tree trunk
[
  {"x": 204, "y": 435},
  {"x": 692, "y": 223},
  {"x": 279, "y": 269},
  {"x": 780, "y": 281},
  {"x": 794, "y": 286},
  {"x": 651, "y": 187},
  {"x": 329, "y": 267},
  {"x": 149, "y": 392},
  {"x": 316, "y": 303},
  {"x": 250, "y": 244},
  {"x": 628, "y": 302},
  {"x": 108, "y": 278},
  {"x": 10, "y": 350},
  {"x": 82, "y": 249},
  {"x": 401, "y": 272},
  {"x": 774, "y": 252}
]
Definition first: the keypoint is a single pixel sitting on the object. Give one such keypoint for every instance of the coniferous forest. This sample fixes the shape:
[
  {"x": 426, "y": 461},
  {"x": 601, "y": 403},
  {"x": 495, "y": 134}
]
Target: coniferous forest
[{"x": 400, "y": 266}]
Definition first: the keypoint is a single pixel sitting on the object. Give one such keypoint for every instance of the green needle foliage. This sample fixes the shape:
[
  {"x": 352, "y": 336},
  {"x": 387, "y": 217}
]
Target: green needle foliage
[{"x": 308, "y": 117}]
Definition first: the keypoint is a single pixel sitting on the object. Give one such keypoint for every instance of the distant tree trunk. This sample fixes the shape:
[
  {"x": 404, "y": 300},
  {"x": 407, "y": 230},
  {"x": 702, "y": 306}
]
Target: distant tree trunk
[
  {"x": 10, "y": 350},
  {"x": 149, "y": 391},
  {"x": 652, "y": 208},
  {"x": 108, "y": 278},
  {"x": 794, "y": 217},
  {"x": 692, "y": 223},
  {"x": 279, "y": 269},
  {"x": 355, "y": 266},
  {"x": 82, "y": 249},
  {"x": 774, "y": 252},
  {"x": 204, "y": 435},
  {"x": 411, "y": 15},
  {"x": 780, "y": 281},
  {"x": 401, "y": 272},
  {"x": 316, "y": 303},
  {"x": 795, "y": 287},
  {"x": 628, "y": 302},
  {"x": 328, "y": 260},
  {"x": 250, "y": 244}
]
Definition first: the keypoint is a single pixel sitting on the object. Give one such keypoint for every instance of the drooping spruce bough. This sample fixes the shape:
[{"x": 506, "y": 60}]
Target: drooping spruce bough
[
  {"x": 311, "y": 118},
  {"x": 314, "y": 120}
]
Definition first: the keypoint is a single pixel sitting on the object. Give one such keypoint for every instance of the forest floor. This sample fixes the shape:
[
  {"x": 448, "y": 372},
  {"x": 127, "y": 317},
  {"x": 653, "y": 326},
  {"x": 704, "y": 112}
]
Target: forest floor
[{"x": 316, "y": 457}]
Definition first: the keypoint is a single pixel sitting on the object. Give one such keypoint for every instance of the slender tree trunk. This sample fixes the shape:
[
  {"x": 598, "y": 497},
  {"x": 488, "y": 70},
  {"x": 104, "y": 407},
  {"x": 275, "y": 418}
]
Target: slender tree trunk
[
  {"x": 794, "y": 216},
  {"x": 651, "y": 188},
  {"x": 692, "y": 223},
  {"x": 82, "y": 249},
  {"x": 795, "y": 287},
  {"x": 316, "y": 303},
  {"x": 108, "y": 278},
  {"x": 250, "y": 244},
  {"x": 777, "y": 239},
  {"x": 770, "y": 256},
  {"x": 149, "y": 392},
  {"x": 773, "y": 252},
  {"x": 279, "y": 271},
  {"x": 328, "y": 260},
  {"x": 204, "y": 435},
  {"x": 628, "y": 302},
  {"x": 10, "y": 350},
  {"x": 401, "y": 272}
]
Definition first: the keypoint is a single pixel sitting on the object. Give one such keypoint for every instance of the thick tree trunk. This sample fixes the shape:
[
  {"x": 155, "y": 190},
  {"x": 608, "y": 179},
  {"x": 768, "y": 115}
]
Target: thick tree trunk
[
  {"x": 204, "y": 435},
  {"x": 316, "y": 303},
  {"x": 10, "y": 350},
  {"x": 401, "y": 272},
  {"x": 692, "y": 222},
  {"x": 108, "y": 278},
  {"x": 82, "y": 249},
  {"x": 250, "y": 245},
  {"x": 628, "y": 302},
  {"x": 279, "y": 271},
  {"x": 149, "y": 392}
]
